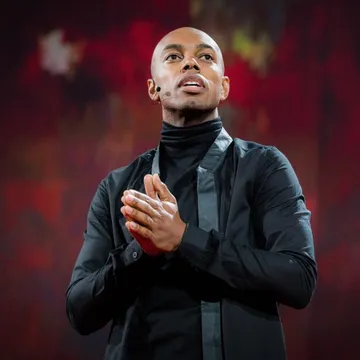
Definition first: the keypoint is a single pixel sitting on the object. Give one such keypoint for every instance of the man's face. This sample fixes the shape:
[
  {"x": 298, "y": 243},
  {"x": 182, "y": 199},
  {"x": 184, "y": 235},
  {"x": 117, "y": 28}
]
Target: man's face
[{"x": 188, "y": 66}]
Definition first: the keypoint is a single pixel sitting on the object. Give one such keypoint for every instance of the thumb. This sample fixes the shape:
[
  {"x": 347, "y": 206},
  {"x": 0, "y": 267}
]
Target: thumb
[
  {"x": 149, "y": 186},
  {"x": 162, "y": 190}
]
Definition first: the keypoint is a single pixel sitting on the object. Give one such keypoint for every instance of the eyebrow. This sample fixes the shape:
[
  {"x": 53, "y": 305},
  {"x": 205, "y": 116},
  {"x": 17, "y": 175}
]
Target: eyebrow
[
  {"x": 180, "y": 47},
  {"x": 205, "y": 46}
]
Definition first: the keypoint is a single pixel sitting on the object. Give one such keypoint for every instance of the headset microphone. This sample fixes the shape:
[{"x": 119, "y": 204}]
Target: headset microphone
[{"x": 158, "y": 88}]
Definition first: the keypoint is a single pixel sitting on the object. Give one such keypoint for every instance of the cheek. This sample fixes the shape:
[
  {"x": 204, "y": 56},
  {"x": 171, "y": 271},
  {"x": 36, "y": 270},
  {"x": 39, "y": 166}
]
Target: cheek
[
  {"x": 168, "y": 75},
  {"x": 216, "y": 88}
]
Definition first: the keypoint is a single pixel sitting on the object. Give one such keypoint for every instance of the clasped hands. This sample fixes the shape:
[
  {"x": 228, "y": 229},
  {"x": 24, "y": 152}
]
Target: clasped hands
[{"x": 153, "y": 218}]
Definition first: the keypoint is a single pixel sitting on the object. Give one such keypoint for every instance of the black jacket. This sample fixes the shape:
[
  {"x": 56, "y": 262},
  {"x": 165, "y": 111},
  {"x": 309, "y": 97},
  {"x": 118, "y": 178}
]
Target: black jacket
[{"x": 254, "y": 238}]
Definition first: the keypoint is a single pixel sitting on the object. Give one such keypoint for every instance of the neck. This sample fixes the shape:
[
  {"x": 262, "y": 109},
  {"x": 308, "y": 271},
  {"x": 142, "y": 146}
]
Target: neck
[{"x": 184, "y": 118}]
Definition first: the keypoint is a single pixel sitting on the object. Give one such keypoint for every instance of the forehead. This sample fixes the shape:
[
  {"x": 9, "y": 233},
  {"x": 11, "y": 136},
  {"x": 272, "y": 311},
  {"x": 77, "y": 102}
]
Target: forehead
[{"x": 187, "y": 38}]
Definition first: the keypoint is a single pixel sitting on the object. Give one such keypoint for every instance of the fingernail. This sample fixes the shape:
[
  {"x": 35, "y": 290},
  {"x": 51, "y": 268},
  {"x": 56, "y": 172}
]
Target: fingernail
[
  {"x": 133, "y": 225},
  {"x": 129, "y": 198},
  {"x": 129, "y": 210}
]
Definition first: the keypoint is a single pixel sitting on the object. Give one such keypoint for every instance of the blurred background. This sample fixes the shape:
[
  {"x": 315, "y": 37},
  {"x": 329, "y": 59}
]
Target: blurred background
[{"x": 74, "y": 106}]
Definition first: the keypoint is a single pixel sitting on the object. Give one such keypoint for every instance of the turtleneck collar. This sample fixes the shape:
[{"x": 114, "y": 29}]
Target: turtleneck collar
[
  {"x": 182, "y": 150},
  {"x": 202, "y": 135}
]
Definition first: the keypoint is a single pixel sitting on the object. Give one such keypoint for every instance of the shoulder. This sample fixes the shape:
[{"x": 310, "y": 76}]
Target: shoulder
[
  {"x": 257, "y": 151},
  {"x": 263, "y": 159}
]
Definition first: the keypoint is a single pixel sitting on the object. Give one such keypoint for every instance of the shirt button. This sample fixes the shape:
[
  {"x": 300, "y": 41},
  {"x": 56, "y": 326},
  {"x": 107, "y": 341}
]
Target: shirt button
[{"x": 134, "y": 254}]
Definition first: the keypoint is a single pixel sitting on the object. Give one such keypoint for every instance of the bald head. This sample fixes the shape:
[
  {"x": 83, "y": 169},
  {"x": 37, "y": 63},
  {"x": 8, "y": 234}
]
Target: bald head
[
  {"x": 182, "y": 37},
  {"x": 188, "y": 68}
]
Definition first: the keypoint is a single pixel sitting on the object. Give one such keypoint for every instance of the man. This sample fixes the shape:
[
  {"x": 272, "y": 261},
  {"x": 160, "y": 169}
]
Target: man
[{"x": 194, "y": 269}]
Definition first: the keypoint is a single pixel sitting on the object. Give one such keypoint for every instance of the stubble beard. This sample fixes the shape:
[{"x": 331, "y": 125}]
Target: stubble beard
[{"x": 188, "y": 113}]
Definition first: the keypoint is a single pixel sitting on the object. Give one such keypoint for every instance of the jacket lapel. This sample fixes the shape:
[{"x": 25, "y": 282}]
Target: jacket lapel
[{"x": 208, "y": 220}]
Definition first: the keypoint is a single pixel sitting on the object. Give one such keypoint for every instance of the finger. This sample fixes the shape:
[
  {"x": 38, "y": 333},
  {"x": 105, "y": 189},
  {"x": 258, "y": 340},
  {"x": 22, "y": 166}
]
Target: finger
[
  {"x": 139, "y": 229},
  {"x": 142, "y": 206},
  {"x": 138, "y": 216},
  {"x": 122, "y": 209},
  {"x": 131, "y": 196},
  {"x": 162, "y": 189},
  {"x": 149, "y": 186},
  {"x": 126, "y": 216}
]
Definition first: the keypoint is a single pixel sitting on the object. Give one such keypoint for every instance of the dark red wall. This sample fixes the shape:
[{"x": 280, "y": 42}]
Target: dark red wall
[{"x": 61, "y": 134}]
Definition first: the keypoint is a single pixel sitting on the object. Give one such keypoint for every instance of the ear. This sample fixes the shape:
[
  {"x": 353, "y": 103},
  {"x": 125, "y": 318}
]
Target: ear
[
  {"x": 225, "y": 88},
  {"x": 153, "y": 94}
]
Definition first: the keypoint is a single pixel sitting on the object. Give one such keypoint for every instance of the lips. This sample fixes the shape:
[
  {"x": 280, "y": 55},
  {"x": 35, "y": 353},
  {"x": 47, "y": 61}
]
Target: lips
[{"x": 192, "y": 81}]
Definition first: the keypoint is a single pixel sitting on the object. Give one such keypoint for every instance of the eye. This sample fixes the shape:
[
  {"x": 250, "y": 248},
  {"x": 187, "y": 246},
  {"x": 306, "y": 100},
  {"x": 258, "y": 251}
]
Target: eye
[
  {"x": 172, "y": 57},
  {"x": 207, "y": 57}
]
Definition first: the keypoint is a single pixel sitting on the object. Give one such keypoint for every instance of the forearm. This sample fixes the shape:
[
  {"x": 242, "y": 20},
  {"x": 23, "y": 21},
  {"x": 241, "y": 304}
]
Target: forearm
[
  {"x": 289, "y": 276},
  {"x": 93, "y": 296},
  {"x": 89, "y": 300}
]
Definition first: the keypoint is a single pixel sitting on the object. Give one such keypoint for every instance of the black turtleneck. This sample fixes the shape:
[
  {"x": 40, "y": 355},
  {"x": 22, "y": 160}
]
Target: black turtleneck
[
  {"x": 181, "y": 151},
  {"x": 172, "y": 305}
]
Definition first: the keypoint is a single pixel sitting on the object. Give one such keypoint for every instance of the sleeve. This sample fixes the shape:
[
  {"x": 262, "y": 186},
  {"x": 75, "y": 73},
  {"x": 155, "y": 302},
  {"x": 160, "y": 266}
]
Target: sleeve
[
  {"x": 286, "y": 266},
  {"x": 103, "y": 277}
]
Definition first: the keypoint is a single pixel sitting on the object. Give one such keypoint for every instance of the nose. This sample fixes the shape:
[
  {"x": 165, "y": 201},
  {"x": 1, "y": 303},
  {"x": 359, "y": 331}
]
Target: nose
[{"x": 190, "y": 64}]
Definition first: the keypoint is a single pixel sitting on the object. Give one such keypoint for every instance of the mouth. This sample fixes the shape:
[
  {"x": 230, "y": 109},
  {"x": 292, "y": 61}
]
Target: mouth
[{"x": 192, "y": 84}]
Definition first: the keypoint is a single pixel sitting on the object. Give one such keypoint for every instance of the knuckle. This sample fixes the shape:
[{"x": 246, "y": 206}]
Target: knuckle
[
  {"x": 157, "y": 216},
  {"x": 148, "y": 207}
]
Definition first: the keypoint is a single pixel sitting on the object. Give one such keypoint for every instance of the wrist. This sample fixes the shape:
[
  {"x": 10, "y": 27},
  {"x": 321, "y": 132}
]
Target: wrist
[{"x": 182, "y": 231}]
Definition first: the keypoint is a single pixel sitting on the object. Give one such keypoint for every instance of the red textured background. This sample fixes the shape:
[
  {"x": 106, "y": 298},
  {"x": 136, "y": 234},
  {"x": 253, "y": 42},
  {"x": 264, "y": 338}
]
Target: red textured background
[{"x": 60, "y": 135}]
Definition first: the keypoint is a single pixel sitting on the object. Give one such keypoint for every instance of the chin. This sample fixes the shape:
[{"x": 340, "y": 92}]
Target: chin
[{"x": 193, "y": 104}]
